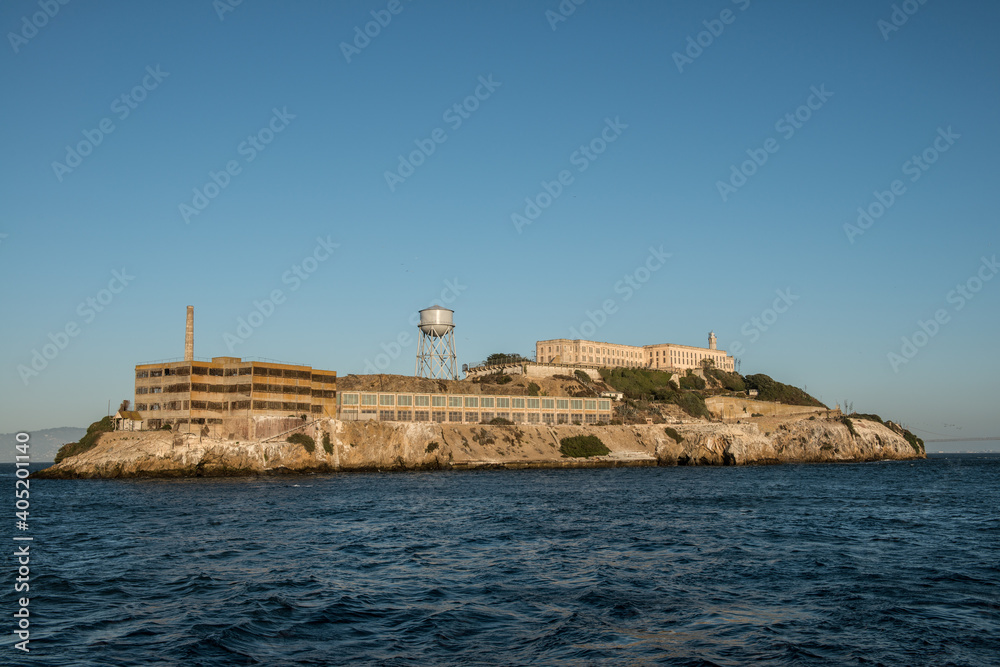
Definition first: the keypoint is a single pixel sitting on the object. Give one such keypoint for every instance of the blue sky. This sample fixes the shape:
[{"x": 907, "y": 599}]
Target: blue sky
[{"x": 327, "y": 131}]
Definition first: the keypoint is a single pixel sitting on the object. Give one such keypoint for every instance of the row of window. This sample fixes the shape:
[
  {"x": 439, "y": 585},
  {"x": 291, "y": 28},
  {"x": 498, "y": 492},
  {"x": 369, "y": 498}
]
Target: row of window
[
  {"x": 231, "y": 371},
  {"x": 453, "y": 401},
  {"x": 223, "y": 406},
  {"x": 459, "y": 417},
  {"x": 610, "y": 351},
  {"x": 238, "y": 389}
]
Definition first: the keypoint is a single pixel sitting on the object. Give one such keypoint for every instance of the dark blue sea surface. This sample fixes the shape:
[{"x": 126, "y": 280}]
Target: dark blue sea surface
[{"x": 883, "y": 563}]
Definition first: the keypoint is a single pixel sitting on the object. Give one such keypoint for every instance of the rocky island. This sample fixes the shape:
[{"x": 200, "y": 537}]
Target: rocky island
[{"x": 673, "y": 427}]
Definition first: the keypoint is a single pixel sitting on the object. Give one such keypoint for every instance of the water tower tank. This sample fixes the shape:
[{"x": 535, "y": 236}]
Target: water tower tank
[{"x": 436, "y": 321}]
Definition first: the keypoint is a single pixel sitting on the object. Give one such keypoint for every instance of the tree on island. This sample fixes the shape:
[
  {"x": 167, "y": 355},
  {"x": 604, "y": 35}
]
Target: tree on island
[{"x": 500, "y": 359}]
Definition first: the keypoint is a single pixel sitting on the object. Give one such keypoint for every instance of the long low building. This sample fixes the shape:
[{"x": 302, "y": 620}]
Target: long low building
[
  {"x": 472, "y": 409},
  {"x": 665, "y": 356}
]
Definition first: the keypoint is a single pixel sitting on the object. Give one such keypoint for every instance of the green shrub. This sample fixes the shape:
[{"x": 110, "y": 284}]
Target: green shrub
[
  {"x": 691, "y": 381},
  {"x": 88, "y": 441},
  {"x": 635, "y": 382},
  {"x": 915, "y": 442},
  {"x": 756, "y": 414},
  {"x": 678, "y": 438},
  {"x": 729, "y": 381},
  {"x": 772, "y": 390},
  {"x": 582, "y": 376},
  {"x": 500, "y": 421},
  {"x": 302, "y": 439},
  {"x": 690, "y": 402},
  {"x": 165, "y": 427},
  {"x": 850, "y": 425},
  {"x": 431, "y": 446},
  {"x": 868, "y": 417},
  {"x": 327, "y": 445},
  {"x": 533, "y": 389},
  {"x": 579, "y": 446}
]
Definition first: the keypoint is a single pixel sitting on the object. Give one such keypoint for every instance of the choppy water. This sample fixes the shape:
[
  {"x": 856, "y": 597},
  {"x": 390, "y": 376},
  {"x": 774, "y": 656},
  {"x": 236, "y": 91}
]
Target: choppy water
[{"x": 891, "y": 563}]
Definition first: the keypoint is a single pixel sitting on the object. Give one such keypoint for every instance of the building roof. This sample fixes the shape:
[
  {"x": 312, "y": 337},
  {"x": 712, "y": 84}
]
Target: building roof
[{"x": 129, "y": 414}]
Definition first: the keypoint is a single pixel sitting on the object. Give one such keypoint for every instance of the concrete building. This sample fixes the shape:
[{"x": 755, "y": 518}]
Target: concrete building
[
  {"x": 127, "y": 420},
  {"x": 472, "y": 409},
  {"x": 666, "y": 356},
  {"x": 224, "y": 392},
  {"x": 219, "y": 397},
  {"x": 589, "y": 353}
]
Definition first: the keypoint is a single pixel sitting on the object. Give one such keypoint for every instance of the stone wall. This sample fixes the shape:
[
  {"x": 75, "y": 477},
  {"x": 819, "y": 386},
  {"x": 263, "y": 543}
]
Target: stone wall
[{"x": 730, "y": 408}]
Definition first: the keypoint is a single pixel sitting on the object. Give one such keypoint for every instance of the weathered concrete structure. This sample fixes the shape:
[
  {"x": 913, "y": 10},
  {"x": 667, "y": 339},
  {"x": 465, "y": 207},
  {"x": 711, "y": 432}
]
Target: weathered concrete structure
[
  {"x": 731, "y": 408},
  {"x": 471, "y": 408},
  {"x": 220, "y": 396}
]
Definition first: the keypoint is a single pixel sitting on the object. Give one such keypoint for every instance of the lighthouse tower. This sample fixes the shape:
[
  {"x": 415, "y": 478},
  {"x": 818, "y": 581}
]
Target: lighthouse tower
[{"x": 712, "y": 343}]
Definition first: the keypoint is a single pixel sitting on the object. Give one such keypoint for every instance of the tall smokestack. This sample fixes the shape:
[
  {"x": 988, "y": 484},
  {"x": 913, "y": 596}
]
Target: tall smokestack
[{"x": 189, "y": 336}]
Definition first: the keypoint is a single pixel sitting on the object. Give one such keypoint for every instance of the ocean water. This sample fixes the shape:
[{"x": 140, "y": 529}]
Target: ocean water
[{"x": 883, "y": 563}]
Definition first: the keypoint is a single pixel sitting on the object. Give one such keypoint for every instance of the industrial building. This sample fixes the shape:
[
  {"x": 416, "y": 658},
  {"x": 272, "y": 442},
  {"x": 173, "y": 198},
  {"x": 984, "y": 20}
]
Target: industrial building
[
  {"x": 221, "y": 395},
  {"x": 472, "y": 408},
  {"x": 665, "y": 356}
]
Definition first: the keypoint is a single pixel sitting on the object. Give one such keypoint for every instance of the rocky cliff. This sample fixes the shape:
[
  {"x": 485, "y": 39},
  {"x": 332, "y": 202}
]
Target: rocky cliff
[{"x": 409, "y": 446}]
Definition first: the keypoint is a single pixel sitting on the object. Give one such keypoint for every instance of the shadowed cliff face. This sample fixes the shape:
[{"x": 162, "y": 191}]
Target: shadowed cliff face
[{"x": 411, "y": 446}]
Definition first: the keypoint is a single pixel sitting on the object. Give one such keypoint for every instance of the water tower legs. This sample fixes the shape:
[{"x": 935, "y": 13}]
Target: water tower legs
[{"x": 436, "y": 358}]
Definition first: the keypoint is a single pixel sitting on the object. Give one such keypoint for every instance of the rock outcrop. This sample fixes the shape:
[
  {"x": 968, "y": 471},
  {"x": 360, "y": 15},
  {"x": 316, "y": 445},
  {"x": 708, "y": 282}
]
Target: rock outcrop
[{"x": 410, "y": 446}]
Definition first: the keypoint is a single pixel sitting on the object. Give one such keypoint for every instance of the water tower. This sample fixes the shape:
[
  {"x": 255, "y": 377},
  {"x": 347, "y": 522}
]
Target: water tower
[{"x": 436, "y": 349}]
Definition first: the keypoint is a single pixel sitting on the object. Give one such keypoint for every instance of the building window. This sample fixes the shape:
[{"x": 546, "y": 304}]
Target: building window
[
  {"x": 404, "y": 400},
  {"x": 421, "y": 415},
  {"x": 533, "y": 417},
  {"x": 590, "y": 419},
  {"x": 548, "y": 418},
  {"x": 503, "y": 402},
  {"x": 455, "y": 416},
  {"x": 533, "y": 403},
  {"x": 454, "y": 401},
  {"x": 576, "y": 404},
  {"x": 471, "y": 402},
  {"x": 487, "y": 416},
  {"x": 590, "y": 405},
  {"x": 422, "y": 401},
  {"x": 472, "y": 417},
  {"x": 562, "y": 418},
  {"x": 437, "y": 402},
  {"x": 486, "y": 402},
  {"x": 386, "y": 399},
  {"x": 386, "y": 415},
  {"x": 437, "y": 415},
  {"x": 368, "y": 399},
  {"x": 517, "y": 403},
  {"x": 604, "y": 405},
  {"x": 562, "y": 404},
  {"x": 548, "y": 403},
  {"x": 403, "y": 415}
]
